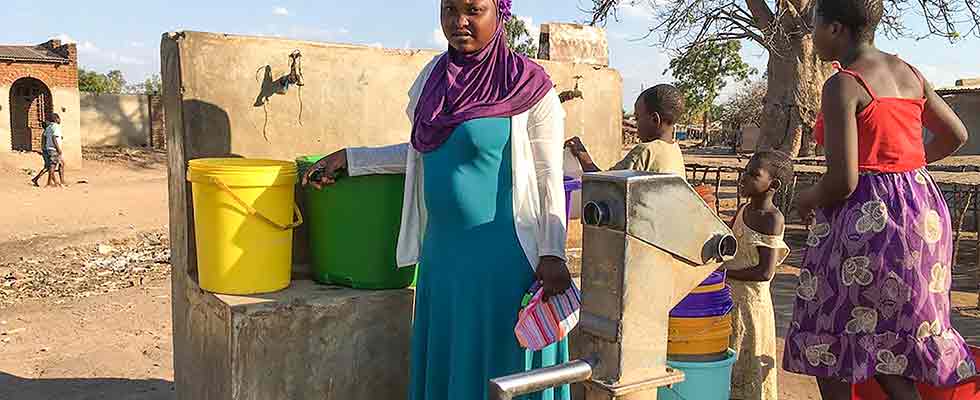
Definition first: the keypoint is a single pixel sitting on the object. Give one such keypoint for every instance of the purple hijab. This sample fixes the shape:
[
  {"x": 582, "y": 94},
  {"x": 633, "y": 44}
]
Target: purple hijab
[{"x": 492, "y": 82}]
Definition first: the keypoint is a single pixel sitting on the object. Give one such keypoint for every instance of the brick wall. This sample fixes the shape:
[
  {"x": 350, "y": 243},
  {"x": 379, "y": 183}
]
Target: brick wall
[{"x": 53, "y": 75}]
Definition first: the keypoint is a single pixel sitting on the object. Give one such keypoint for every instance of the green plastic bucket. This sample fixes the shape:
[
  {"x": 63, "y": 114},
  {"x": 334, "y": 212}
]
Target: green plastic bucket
[
  {"x": 353, "y": 228},
  {"x": 702, "y": 380}
]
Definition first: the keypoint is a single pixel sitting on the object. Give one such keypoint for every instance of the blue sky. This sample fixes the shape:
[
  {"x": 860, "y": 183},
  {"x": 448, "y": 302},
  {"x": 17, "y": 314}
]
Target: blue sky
[{"x": 113, "y": 34}]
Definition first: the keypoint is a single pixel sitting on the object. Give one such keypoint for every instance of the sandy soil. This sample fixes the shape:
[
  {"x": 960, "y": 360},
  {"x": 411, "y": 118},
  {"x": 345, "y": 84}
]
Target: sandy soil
[
  {"x": 118, "y": 198},
  {"x": 116, "y": 346},
  {"x": 112, "y": 341}
]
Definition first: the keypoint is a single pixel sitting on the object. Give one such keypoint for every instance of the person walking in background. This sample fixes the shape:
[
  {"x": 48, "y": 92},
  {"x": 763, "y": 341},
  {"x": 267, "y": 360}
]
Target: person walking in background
[
  {"x": 51, "y": 151},
  {"x": 873, "y": 297},
  {"x": 759, "y": 227}
]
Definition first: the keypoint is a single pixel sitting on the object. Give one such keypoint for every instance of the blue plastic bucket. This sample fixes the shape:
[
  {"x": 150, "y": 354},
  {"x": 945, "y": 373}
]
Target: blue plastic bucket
[{"x": 702, "y": 380}]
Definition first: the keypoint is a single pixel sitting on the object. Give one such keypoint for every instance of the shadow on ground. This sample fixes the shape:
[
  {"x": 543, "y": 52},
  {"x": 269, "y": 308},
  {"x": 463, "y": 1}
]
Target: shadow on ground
[{"x": 14, "y": 387}]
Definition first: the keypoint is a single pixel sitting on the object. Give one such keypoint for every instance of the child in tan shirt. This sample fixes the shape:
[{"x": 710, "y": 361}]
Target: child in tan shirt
[{"x": 656, "y": 111}]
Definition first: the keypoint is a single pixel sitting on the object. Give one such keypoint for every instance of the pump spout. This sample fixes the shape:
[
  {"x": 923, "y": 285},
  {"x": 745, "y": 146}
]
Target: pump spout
[{"x": 508, "y": 387}]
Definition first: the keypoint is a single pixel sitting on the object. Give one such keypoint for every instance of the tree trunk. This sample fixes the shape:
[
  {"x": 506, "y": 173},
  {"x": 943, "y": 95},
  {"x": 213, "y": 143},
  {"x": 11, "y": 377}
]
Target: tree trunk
[{"x": 796, "y": 77}]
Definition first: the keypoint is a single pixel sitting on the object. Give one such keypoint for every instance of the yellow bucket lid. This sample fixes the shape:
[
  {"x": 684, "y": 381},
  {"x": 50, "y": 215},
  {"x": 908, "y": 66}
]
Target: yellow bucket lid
[{"x": 242, "y": 172}]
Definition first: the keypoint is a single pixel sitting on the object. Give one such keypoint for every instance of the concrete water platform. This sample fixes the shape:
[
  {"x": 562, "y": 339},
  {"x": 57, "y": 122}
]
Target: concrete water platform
[{"x": 307, "y": 342}]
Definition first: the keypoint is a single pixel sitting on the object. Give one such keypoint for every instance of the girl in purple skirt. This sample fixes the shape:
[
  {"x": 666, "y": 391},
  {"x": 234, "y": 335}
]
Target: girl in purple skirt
[{"x": 873, "y": 298}]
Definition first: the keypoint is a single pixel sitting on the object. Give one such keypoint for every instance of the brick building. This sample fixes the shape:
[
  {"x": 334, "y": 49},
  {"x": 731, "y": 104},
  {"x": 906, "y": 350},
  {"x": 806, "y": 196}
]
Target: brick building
[{"x": 34, "y": 82}]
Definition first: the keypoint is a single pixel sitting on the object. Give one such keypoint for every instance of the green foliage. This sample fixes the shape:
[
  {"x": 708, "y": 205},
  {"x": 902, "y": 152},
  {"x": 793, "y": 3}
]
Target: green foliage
[
  {"x": 703, "y": 71},
  {"x": 113, "y": 82},
  {"x": 94, "y": 82},
  {"x": 519, "y": 38}
]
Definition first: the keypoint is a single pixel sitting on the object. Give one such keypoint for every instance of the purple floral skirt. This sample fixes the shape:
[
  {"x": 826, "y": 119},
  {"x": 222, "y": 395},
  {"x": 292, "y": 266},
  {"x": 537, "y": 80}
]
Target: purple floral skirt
[{"x": 873, "y": 297}]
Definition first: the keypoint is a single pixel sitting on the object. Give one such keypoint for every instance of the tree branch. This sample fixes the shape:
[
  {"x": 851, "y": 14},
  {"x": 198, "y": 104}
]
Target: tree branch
[
  {"x": 761, "y": 12},
  {"x": 680, "y": 24},
  {"x": 601, "y": 10}
]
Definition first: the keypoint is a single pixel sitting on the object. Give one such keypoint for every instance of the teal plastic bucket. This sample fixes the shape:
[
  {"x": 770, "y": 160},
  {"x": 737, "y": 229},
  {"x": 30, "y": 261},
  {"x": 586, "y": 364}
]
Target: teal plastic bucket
[{"x": 702, "y": 380}]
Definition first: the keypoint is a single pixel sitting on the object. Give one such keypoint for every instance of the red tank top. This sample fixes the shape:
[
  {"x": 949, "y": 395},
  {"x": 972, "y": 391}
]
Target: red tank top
[{"x": 889, "y": 131}]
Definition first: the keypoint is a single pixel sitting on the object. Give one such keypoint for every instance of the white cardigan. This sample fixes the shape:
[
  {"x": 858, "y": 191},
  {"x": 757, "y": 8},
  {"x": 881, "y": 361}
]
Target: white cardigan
[{"x": 537, "y": 138}]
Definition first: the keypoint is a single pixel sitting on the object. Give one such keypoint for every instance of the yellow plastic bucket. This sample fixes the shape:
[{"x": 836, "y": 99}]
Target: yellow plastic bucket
[
  {"x": 699, "y": 336},
  {"x": 243, "y": 222}
]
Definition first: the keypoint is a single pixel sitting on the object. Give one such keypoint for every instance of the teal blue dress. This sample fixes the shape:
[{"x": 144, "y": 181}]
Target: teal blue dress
[{"x": 474, "y": 272}]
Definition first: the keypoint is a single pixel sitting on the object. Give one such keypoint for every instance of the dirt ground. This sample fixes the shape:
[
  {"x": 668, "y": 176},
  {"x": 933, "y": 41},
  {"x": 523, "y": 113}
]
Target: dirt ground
[
  {"x": 85, "y": 289},
  {"x": 84, "y": 282}
]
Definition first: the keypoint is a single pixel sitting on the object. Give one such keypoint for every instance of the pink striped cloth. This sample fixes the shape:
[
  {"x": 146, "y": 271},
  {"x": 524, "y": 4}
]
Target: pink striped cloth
[{"x": 541, "y": 324}]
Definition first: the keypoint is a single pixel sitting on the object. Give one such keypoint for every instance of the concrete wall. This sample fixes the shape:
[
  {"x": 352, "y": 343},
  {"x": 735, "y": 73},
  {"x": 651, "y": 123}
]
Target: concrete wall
[
  {"x": 574, "y": 43},
  {"x": 354, "y": 96},
  {"x": 66, "y": 104},
  {"x": 219, "y": 100},
  {"x": 115, "y": 120},
  {"x": 967, "y": 107},
  {"x": 307, "y": 342}
]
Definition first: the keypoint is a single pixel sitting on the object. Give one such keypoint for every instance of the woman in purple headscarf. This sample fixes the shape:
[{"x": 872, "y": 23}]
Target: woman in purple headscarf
[{"x": 484, "y": 209}]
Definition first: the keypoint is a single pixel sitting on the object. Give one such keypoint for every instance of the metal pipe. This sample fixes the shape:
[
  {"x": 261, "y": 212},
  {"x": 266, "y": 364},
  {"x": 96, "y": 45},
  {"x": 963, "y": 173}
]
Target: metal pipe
[{"x": 507, "y": 387}]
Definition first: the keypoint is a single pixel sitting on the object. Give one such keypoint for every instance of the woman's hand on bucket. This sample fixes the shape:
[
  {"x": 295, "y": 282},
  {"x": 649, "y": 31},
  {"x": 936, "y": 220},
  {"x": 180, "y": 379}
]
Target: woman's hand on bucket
[
  {"x": 323, "y": 172},
  {"x": 554, "y": 276}
]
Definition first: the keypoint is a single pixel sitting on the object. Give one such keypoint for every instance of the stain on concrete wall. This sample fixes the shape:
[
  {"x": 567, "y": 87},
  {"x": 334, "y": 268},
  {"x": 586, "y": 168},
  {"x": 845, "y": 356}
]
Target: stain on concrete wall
[{"x": 354, "y": 96}]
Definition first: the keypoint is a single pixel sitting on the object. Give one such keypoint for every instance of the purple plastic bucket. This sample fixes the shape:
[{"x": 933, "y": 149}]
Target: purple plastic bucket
[
  {"x": 699, "y": 305},
  {"x": 571, "y": 185},
  {"x": 714, "y": 279},
  {"x": 712, "y": 304}
]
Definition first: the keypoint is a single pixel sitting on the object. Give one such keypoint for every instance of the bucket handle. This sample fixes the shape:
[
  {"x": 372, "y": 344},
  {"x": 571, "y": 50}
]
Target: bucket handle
[{"x": 253, "y": 212}]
